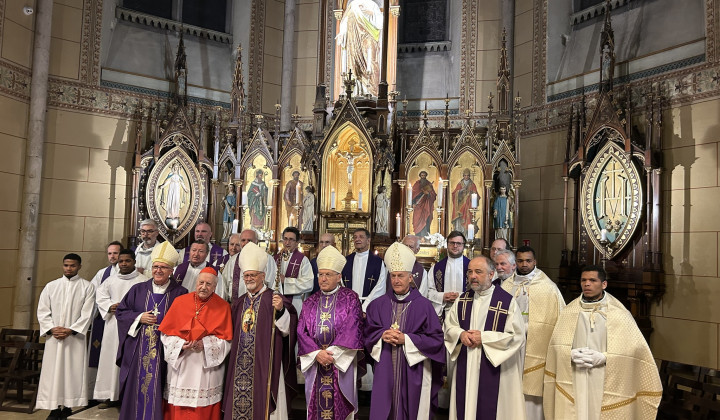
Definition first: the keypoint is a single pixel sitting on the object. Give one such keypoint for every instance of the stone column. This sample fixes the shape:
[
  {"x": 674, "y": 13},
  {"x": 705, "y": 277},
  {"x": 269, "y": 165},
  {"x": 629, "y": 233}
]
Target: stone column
[
  {"x": 23, "y": 316},
  {"x": 508, "y": 22},
  {"x": 287, "y": 65}
]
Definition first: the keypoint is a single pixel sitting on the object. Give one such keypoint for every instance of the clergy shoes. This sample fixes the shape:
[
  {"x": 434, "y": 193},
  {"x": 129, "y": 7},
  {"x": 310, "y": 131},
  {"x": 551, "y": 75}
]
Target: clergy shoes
[
  {"x": 65, "y": 413},
  {"x": 54, "y": 414}
]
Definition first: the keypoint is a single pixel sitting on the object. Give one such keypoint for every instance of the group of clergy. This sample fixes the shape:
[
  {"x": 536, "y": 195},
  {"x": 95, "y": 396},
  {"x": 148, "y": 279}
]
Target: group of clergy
[{"x": 205, "y": 334}]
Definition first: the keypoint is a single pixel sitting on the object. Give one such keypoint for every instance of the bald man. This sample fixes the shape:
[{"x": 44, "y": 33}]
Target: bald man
[
  {"x": 217, "y": 257},
  {"x": 232, "y": 275},
  {"x": 325, "y": 240}
]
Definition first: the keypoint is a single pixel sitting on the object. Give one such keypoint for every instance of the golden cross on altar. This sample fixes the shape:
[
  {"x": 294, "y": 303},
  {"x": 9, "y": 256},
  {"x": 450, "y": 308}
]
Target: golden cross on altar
[
  {"x": 465, "y": 300},
  {"x": 498, "y": 310}
]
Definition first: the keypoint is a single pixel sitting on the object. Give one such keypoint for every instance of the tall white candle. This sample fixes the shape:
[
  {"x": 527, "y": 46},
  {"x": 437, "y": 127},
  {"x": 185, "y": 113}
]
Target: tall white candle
[
  {"x": 474, "y": 200},
  {"x": 270, "y": 193},
  {"x": 471, "y": 232},
  {"x": 235, "y": 226},
  {"x": 297, "y": 193},
  {"x": 409, "y": 194},
  {"x": 332, "y": 199},
  {"x": 244, "y": 198},
  {"x": 360, "y": 200},
  {"x": 440, "y": 192},
  {"x": 397, "y": 225}
]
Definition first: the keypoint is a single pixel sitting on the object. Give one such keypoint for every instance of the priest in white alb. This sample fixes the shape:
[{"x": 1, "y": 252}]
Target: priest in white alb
[
  {"x": 196, "y": 336},
  {"x": 484, "y": 332},
  {"x": 64, "y": 312},
  {"x": 108, "y": 297},
  {"x": 598, "y": 361}
]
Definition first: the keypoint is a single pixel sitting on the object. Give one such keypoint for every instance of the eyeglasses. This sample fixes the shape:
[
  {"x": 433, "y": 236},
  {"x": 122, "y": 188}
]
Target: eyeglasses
[
  {"x": 252, "y": 276},
  {"x": 158, "y": 267},
  {"x": 147, "y": 231}
]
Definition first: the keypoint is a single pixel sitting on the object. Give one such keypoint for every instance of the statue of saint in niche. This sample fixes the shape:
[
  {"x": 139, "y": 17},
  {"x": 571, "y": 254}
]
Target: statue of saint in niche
[
  {"x": 502, "y": 215},
  {"x": 382, "y": 208},
  {"x": 229, "y": 206},
  {"x": 360, "y": 40},
  {"x": 173, "y": 195},
  {"x": 461, "y": 215},
  {"x": 257, "y": 200},
  {"x": 308, "y": 211},
  {"x": 423, "y": 201},
  {"x": 293, "y": 197}
]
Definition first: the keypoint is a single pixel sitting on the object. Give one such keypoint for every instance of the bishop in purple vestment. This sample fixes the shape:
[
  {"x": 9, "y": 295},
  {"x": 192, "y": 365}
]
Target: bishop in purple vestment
[
  {"x": 329, "y": 340},
  {"x": 404, "y": 336},
  {"x": 140, "y": 352}
]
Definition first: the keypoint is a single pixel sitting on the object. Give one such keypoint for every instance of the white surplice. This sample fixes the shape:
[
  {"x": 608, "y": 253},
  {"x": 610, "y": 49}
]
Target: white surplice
[
  {"x": 65, "y": 303},
  {"x": 454, "y": 281},
  {"x": 502, "y": 348},
  {"x": 358, "y": 280},
  {"x": 143, "y": 258},
  {"x": 112, "y": 291},
  {"x": 297, "y": 286}
]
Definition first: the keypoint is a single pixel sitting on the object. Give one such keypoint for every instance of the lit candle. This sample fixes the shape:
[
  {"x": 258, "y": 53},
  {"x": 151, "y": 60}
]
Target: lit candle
[
  {"x": 440, "y": 192},
  {"x": 474, "y": 200},
  {"x": 297, "y": 193},
  {"x": 471, "y": 232},
  {"x": 235, "y": 226},
  {"x": 244, "y": 198},
  {"x": 332, "y": 199},
  {"x": 360, "y": 200},
  {"x": 397, "y": 225},
  {"x": 603, "y": 235}
]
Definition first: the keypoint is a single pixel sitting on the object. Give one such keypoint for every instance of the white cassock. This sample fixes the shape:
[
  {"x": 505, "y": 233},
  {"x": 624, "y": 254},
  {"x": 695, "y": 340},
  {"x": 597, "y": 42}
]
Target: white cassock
[
  {"x": 112, "y": 291},
  {"x": 454, "y": 282},
  {"x": 298, "y": 286},
  {"x": 424, "y": 287},
  {"x": 501, "y": 348},
  {"x": 195, "y": 379},
  {"x": 65, "y": 303},
  {"x": 358, "y": 283},
  {"x": 227, "y": 276},
  {"x": 143, "y": 258},
  {"x": 96, "y": 282}
]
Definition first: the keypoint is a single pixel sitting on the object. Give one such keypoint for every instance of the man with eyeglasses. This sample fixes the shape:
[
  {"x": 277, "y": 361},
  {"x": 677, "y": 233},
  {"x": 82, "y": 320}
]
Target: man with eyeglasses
[
  {"x": 326, "y": 239},
  {"x": 140, "y": 351},
  {"x": 148, "y": 234},
  {"x": 232, "y": 276},
  {"x": 294, "y": 270}
]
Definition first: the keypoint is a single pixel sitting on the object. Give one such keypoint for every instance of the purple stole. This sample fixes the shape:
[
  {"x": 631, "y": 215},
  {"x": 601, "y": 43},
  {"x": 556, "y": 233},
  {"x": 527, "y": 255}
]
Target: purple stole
[
  {"x": 237, "y": 272},
  {"x": 324, "y": 336},
  {"x": 216, "y": 255},
  {"x": 439, "y": 273},
  {"x": 372, "y": 272},
  {"x": 98, "y": 327},
  {"x": 489, "y": 386},
  {"x": 293, "y": 268},
  {"x": 182, "y": 269}
]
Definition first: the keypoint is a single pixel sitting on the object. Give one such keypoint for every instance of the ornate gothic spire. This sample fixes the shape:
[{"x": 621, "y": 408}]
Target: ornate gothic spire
[
  {"x": 607, "y": 52},
  {"x": 181, "y": 73}
]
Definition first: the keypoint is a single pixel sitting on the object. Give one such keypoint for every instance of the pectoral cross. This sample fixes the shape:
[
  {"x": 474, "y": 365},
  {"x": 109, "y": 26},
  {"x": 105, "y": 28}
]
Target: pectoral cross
[
  {"x": 465, "y": 300},
  {"x": 155, "y": 311},
  {"x": 395, "y": 326},
  {"x": 498, "y": 310}
]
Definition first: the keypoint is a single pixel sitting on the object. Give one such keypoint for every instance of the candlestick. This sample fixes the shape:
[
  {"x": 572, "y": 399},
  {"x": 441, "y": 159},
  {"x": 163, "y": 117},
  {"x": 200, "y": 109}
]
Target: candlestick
[
  {"x": 332, "y": 199},
  {"x": 440, "y": 192},
  {"x": 244, "y": 199},
  {"x": 397, "y": 225},
  {"x": 474, "y": 200},
  {"x": 360, "y": 200},
  {"x": 471, "y": 232}
]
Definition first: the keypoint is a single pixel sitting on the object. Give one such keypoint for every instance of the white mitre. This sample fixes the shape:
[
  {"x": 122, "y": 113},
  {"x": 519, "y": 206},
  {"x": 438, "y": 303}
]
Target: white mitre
[
  {"x": 399, "y": 257},
  {"x": 165, "y": 253},
  {"x": 331, "y": 259},
  {"x": 252, "y": 258}
]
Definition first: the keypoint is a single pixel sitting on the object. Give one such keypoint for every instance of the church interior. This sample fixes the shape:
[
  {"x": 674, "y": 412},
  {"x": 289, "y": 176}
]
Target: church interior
[{"x": 586, "y": 129}]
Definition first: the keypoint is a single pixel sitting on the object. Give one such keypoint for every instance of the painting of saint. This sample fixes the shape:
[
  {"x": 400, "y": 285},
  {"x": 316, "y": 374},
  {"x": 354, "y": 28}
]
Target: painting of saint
[
  {"x": 360, "y": 40},
  {"x": 423, "y": 201},
  {"x": 257, "y": 200},
  {"x": 461, "y": 215},
  {"x": 292, "y": 197}
]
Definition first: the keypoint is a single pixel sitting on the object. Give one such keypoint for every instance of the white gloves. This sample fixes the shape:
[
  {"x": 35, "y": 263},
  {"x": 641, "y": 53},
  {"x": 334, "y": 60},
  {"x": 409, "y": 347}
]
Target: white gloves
[{"x": 587, "y": 358}]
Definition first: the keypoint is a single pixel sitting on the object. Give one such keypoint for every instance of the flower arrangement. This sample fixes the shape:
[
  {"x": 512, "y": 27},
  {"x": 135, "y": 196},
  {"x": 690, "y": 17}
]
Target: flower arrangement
[{"x": 440, "y": 243}]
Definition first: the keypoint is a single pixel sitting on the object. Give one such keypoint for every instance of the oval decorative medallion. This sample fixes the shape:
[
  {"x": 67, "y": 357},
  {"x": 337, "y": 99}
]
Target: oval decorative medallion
[{"x": 612, "y": 198}]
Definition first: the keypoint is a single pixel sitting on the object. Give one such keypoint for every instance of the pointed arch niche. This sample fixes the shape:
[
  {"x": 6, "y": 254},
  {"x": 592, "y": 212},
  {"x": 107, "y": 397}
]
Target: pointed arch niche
[
  {"x": 460, "y": 189},
  {"x": 347, "y": 145}
]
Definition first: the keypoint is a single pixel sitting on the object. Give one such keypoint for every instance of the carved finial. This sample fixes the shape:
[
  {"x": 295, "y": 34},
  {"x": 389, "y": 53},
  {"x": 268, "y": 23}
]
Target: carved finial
[{"x": 349, "y": 83}]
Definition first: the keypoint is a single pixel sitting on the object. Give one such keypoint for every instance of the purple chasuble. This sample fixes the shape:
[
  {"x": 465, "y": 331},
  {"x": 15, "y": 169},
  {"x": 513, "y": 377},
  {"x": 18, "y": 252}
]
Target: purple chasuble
[
  {"x": 372, "y": 272},
  {"x": 330, "y": 320},
  {"x": 143, "y": 370},
  {"x": 247, "y": 376},
  {"x": 98, "y": 327},
  {"x": 489, "y": 386},
  {"x": 396, "y": 385}
]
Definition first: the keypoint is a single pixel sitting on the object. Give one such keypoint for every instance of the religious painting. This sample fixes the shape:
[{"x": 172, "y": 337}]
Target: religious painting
[
  {"x": 422, "y": 196},
  {"x": 358, "y": 45},
  {"x": 612, "y": 198},
  {"x": 294, "y": 195},
  {"x": 465, "y": 196},
  {"x": 257, "y": 195},
  {"x": 347, "y": 175},
  {"x": 174, "y": 190}
]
